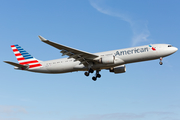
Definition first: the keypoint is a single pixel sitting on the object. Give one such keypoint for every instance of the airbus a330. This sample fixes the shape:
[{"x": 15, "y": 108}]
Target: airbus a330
[{"x": 78, "y": 60}]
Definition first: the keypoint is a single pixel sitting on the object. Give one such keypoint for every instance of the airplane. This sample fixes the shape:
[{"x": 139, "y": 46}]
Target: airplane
[{"x": 78, "y": 60}]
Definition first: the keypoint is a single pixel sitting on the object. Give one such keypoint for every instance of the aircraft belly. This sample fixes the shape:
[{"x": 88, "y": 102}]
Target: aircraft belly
[{"x": 39, "y": 70}]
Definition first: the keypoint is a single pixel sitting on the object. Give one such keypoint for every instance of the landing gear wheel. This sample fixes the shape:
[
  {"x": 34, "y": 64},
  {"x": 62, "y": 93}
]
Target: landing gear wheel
[
  {"x": 94, "y": 78},
  {"x": 98, "y": 75},
  {"x": 160, "y": 63},
  {"x": 91, "y": 70},
  {"x": 86, "y": 73}
]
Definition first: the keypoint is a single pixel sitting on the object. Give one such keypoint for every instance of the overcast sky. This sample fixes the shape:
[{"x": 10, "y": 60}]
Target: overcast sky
[{"x": 147, "y": 91}]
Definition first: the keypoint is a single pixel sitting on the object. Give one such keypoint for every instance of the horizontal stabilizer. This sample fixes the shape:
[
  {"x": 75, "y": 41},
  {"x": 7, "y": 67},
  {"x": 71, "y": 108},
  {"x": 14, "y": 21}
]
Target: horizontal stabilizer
[{"x": 17, "y": 65}]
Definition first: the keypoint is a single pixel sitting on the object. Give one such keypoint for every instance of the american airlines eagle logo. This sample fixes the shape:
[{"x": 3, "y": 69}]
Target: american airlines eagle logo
[{"x": 154, "y": 49}]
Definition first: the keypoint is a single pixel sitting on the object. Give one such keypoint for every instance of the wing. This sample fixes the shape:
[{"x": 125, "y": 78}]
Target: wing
[{"x": 78, "y": 55}]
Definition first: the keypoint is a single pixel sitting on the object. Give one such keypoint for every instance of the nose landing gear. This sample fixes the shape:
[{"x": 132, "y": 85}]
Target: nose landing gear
[{"x": 161, "y": 61}]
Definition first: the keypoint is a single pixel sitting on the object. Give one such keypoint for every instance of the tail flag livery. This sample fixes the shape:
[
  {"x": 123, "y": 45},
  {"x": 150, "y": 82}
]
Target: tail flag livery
[{"x": 24, "y": 58}]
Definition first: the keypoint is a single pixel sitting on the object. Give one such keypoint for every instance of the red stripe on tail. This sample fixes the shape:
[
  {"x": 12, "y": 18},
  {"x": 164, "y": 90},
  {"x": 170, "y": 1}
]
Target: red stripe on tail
[
  {"x": 36, "y": 65},
  {"x": 18, "y": 54},
  {"x": 19, "y": 59},
  {"x": 28, "y": 62},
  {"x": 15, "y": 50}
]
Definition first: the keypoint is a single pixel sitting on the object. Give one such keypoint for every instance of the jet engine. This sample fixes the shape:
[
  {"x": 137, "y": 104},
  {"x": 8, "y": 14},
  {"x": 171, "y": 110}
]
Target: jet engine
[
  {"x": 118, "y": 69},
  {"x": 111, "y": 59},
  {"x": 107, "y": 59}
]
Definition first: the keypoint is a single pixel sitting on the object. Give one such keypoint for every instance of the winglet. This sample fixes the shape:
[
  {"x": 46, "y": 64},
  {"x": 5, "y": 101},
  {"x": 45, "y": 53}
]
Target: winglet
[{"x": 42, "y": 39}]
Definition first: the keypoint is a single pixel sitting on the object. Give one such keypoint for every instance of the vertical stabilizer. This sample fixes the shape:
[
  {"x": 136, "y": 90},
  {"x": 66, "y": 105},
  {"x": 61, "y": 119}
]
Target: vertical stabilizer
[{"x": 24, "y": 58}]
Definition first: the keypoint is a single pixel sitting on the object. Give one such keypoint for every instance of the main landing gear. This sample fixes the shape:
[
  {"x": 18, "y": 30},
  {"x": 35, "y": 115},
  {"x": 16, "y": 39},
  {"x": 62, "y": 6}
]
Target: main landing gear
[
  {"x": 161, "y": 61},
  {"x": 97, "y": 75},
  {"x": 90, "y": 71}
]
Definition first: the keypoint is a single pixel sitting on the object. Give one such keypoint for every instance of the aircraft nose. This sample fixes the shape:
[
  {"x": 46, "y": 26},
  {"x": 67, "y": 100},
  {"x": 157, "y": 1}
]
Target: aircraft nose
[{"x": 175, "y": 49}]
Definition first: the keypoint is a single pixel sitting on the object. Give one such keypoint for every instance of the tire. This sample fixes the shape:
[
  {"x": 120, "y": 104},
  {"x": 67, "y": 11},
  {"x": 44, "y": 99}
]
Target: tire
[
  {"x": 98, "y": 75},
  {"x": 86, "y": 74},
  {"x": 91, "y": 70},
  {"x": 94, "y": 78}
]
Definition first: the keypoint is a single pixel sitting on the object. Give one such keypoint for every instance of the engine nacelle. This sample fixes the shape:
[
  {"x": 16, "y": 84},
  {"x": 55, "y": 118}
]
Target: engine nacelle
[
  {"x": 118, "y": 69},
  {"x": 111, "y": 59},
  {"x": 107, "y": 59}
]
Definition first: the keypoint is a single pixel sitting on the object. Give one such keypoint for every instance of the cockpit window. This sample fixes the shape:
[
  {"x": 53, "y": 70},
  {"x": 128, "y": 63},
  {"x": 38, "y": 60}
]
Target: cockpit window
[{"x": 169, "y": 45}]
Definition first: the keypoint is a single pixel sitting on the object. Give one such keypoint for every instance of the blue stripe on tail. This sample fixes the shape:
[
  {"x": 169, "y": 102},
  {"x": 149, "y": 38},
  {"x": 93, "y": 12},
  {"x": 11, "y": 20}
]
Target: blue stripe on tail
[{"x": 25, "y": 54}]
